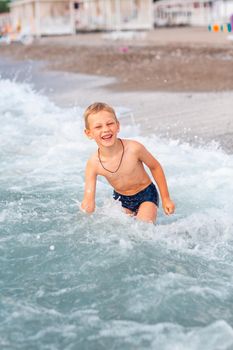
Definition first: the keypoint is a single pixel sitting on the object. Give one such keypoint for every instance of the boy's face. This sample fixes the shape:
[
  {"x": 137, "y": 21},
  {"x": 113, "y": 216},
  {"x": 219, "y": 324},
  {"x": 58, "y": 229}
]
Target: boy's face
[{"x": 103, "y": 128}]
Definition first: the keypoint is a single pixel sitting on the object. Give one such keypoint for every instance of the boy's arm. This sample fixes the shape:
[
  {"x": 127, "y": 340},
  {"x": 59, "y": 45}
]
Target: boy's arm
[
  {"x": 158, "y": 174},
  {"x": 88, "y": 203}
]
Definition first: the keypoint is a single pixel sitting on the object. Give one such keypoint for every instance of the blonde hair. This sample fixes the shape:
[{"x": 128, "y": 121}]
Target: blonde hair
[{"x": 96, "y": 108}]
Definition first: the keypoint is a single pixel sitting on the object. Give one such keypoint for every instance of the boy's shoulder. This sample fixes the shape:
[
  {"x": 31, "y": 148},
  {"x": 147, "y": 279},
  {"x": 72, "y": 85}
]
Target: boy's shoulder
[
  {"x": 132, "y": 144},
  {"x": 93, "y": 160}
]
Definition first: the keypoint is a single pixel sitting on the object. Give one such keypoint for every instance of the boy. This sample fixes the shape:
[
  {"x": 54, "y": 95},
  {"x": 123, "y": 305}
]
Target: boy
[{"x": 121, "y": 163}]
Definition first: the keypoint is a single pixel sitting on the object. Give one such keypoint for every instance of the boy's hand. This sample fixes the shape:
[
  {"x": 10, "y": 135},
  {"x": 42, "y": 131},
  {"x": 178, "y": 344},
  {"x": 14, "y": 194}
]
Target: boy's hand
[
  {"x": 87, "y": 207},
  {"x": 168, "y": 206}
]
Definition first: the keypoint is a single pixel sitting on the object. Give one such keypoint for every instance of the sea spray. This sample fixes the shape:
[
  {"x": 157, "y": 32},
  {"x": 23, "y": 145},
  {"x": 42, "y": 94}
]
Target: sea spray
[{"x": 74, "y": 281}]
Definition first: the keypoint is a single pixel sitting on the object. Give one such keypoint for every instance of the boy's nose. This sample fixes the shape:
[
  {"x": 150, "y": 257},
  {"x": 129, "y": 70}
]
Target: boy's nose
[{"x": 106, "y": 128}]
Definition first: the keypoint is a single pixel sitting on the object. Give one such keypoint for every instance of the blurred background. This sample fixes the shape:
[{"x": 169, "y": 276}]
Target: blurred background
[{"x": 56, "y": 17}]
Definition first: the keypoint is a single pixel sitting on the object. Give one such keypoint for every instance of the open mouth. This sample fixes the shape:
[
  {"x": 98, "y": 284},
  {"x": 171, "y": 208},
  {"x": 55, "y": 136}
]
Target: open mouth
[{"x": 106, "y": 137}]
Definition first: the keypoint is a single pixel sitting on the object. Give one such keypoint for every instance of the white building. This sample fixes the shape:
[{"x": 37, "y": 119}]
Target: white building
[
  {"x": 113, "y": 15},
  {"x": 43, "y": 17},
  {"x": 192, "y": 12},
  {"x": 55, "y": 17}
]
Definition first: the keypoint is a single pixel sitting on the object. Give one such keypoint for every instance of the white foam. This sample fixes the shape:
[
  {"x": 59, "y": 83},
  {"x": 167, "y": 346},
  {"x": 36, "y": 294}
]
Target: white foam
[
  {"x": 136, "y": 275},
  {"x": 47, "y": 145}
]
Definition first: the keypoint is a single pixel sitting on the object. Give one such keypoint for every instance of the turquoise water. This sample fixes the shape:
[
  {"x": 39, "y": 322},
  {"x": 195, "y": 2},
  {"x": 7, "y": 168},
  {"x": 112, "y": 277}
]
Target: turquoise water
[{"x": 70, "y": 281}]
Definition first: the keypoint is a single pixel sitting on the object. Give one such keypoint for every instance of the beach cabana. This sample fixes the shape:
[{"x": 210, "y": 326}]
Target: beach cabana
[
  {"x": 192, "y": 12},
  {"x": 113, "y": 15},
  {"x": 43, "y": 17}
]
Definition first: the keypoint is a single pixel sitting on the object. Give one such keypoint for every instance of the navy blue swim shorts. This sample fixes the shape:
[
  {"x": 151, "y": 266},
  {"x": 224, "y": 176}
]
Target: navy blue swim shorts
[{"x": 149, "y": 194}]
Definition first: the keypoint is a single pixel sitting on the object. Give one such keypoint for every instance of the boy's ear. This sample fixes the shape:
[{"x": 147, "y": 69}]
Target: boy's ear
[{"x": 88, "y": 133}]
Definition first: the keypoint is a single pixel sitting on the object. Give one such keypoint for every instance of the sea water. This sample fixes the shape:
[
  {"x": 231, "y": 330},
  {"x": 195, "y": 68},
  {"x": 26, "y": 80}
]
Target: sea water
[{"x": 105, "y": 281}]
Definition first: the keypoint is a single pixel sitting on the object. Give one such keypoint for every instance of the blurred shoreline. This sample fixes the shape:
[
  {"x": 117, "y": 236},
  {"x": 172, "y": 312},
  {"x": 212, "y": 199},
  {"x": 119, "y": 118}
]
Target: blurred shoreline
[
  {"x": 177, "y": 83},
  {"x": 173, "y": 60}
]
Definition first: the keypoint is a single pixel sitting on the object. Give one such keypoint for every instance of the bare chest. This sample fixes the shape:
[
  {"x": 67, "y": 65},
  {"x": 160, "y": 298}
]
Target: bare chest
[{"x": 118, "y": 168}]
